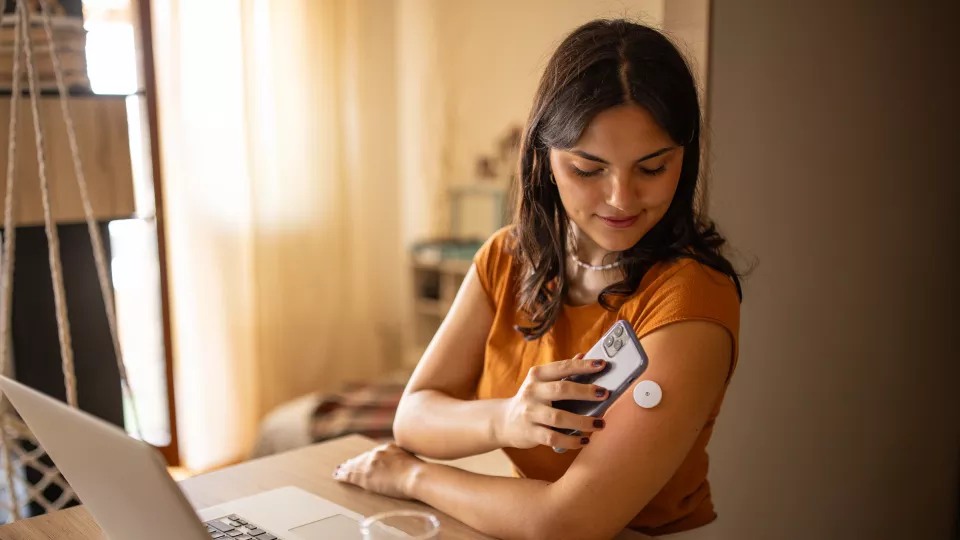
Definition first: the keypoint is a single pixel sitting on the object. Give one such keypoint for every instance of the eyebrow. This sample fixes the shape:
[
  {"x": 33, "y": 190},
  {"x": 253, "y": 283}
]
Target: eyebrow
[{"x": 592, "y": 157}]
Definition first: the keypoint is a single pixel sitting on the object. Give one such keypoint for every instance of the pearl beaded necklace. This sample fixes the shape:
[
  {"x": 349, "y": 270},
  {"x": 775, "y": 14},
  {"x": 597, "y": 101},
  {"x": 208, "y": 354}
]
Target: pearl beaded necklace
[{"x": 593, "y": 266}]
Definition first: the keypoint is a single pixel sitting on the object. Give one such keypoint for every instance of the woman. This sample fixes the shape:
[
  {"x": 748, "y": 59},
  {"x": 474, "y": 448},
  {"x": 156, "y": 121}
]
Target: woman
[{"x": 606, "y": 229}]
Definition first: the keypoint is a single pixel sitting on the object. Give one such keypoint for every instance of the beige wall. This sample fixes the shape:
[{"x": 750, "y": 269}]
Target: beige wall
[
  {"x": 687, "y": 22},
  {"x": 834, "y": 129},
  {"x": 420, "y": 118}
]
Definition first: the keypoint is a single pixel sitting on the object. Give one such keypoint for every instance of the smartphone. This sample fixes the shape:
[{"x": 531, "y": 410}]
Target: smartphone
[{"x": 625, "y": 362}]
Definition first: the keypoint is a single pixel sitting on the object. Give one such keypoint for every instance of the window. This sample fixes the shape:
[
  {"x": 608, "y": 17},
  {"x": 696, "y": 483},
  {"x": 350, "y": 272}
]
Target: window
[{"x": 112, "y": 67}]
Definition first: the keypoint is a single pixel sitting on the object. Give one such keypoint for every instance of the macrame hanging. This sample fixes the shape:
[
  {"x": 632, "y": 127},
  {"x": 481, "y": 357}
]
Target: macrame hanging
[{"x": 12, "y": 429}]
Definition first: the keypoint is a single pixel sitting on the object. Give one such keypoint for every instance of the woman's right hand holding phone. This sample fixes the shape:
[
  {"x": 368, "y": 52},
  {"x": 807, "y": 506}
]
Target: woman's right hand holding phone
[{"x": 527, "y": 417}]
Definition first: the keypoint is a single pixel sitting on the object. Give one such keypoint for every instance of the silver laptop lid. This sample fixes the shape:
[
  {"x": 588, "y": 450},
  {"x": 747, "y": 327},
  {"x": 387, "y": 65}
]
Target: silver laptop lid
[{"x": 122, "y": 482}]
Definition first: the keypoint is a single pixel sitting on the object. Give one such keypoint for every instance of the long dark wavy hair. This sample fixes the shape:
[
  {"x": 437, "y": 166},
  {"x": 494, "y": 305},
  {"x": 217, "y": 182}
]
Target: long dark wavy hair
[{"x": 603, "y": 64}]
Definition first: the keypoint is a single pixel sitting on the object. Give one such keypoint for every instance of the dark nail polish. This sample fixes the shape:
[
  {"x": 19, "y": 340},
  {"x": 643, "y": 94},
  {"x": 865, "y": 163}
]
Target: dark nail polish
[
  {"x": 585, "y": 440},
  {"x": 601, "y": 392},
  {"x": 597, "y": 363},
  {"x": 599, "y": 424}
]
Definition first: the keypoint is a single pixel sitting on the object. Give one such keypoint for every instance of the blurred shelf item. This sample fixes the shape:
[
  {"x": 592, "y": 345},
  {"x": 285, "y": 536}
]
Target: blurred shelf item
[
  {"x": 493, "y": 194},
  {"x": 70, "y": 39},
  {"x": 452, "y": 252}
]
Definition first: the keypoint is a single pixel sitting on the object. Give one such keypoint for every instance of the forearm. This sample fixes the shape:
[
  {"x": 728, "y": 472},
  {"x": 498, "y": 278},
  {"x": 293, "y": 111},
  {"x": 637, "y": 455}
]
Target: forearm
[
  {"x": 435, "y": 425},
  {"x": 506, "y": 508}
]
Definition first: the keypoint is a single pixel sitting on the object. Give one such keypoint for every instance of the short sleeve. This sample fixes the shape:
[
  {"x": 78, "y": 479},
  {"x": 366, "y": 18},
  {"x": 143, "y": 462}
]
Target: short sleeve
[
  {"x": 493, "y": 261},
  {"x": 688, "y": 291}
]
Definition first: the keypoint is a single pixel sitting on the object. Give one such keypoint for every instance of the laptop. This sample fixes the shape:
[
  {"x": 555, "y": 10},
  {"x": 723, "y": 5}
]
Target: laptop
[{"x": 124, "y": 484}]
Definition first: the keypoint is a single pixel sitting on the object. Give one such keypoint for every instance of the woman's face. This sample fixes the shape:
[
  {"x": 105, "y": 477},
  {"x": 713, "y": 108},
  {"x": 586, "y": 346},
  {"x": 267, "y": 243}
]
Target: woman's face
[{"x": 618, "y": 180}]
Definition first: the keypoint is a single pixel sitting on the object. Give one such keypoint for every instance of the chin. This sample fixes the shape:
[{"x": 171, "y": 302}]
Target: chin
[{"x": 614, "y": 239}]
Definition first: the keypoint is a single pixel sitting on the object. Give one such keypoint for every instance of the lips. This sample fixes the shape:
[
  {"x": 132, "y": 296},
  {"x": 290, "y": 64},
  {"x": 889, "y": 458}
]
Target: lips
[{"x": 619, "y": 223}]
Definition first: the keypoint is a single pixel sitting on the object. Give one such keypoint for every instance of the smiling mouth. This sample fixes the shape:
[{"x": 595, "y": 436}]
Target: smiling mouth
[{"x": 619, "y": 223}]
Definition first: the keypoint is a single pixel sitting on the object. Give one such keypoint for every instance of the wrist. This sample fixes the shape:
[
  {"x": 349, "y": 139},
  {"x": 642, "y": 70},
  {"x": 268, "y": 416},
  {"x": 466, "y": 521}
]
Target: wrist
[
  {"x": 496, "y": 423},
  {"x": 414, "y": 479}
]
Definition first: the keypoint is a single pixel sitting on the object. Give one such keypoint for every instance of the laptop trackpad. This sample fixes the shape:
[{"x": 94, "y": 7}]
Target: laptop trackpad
[{"x": 338, "y": 526}]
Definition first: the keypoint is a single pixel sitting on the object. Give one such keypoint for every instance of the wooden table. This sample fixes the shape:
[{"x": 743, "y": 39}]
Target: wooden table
[{"x": 309, "y": 468}]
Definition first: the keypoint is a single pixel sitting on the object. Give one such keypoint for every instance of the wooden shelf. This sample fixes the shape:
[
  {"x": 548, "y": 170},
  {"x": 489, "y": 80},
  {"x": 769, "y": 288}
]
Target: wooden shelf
[
  {"x": 432, "y": 308},
  {"x": 435, "y": 285},
  {"x": 103, "y": 138},
  {"x": 449, "y": 266}
]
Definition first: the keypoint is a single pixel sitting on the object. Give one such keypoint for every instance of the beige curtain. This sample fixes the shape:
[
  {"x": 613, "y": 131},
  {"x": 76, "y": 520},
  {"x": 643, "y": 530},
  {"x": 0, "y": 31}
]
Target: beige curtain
[{"x": 278, "y": 136}]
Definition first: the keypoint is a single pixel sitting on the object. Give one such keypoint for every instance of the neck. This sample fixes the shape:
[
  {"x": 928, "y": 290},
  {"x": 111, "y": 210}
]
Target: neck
[
  {"x": 584, "y": 286},
  {"x": 586, "y": 249}
]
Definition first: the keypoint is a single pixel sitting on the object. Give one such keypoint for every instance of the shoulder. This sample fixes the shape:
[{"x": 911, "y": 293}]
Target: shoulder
[
  {"x": 682, "y": 290},
  {"x": 690, "y": 279},
  {"x": 495, "y": 262},
  {"x": 500, "y": 242}
]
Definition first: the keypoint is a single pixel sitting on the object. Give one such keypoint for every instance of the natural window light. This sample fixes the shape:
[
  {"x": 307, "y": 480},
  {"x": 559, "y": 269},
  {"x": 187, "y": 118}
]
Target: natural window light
[{"x": 112, "y": 68}]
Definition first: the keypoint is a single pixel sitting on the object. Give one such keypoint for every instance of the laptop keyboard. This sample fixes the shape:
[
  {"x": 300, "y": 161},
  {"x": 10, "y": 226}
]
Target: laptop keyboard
[{"x": 234, "y": 527}]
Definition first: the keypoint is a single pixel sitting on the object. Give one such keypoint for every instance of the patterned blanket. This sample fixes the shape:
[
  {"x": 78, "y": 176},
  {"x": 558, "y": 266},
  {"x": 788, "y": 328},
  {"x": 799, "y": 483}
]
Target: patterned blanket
[{"x": 362, "y": 409}]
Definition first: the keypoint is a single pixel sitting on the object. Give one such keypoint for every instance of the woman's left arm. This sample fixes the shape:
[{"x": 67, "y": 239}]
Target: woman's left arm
[{"x": 612, "y": 478}]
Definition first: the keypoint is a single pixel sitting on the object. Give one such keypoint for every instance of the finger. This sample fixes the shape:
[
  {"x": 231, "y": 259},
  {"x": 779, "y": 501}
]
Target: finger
[
  {"x": 565, "y": 368},
  {"x": 550, "y": 417},
  {"x": 341, "y": 473},
  {"x": 555, "y": 439},
  {"x": 347, "y": 471},
  {"x": 557, "y": 390}
]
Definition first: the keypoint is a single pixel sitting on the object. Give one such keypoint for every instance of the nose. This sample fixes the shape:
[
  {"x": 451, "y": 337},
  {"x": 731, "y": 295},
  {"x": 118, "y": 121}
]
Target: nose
[{"x": 621, "y": 191}]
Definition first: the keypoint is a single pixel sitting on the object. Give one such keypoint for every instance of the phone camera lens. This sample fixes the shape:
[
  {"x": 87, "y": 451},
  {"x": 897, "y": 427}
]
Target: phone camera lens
[
  {"x": 609, "y": 341},
  {"x": 618, "y": 344},
  {"x": 618, "y": 331}
]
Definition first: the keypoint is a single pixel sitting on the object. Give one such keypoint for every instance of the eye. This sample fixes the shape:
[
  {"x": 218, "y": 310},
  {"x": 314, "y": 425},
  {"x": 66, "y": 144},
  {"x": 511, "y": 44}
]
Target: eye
[
  {"x": 654, "y": 172},
  {"x": 585, "y": 174}
]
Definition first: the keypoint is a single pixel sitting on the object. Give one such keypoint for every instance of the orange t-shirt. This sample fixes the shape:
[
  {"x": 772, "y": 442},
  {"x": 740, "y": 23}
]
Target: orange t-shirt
[{"x": 668, "y": 293}]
